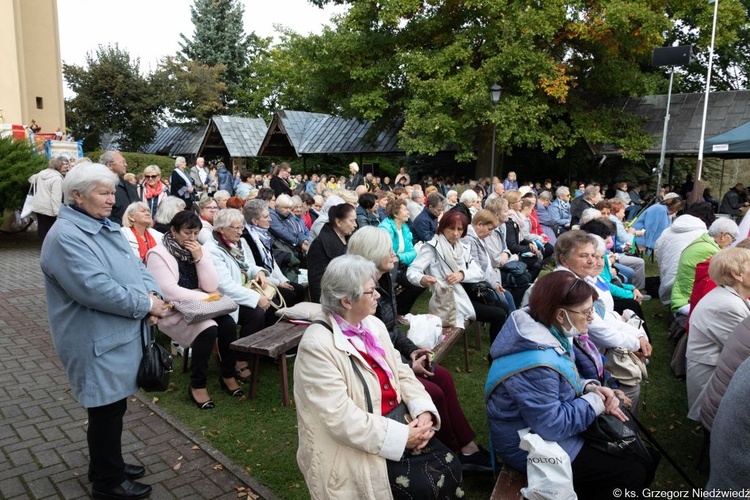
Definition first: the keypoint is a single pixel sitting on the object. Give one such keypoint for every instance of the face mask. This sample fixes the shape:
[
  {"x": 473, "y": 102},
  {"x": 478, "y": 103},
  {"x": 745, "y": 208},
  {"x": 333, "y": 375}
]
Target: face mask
[{"x": 573, "y": 332}]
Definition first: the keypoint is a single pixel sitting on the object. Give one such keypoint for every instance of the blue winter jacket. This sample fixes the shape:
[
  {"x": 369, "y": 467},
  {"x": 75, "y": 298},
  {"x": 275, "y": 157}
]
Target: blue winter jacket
[
  {"x": 655, "y": 219},
  {"x": 285, "y": 229},
  {"x": 538, "y": 397}
]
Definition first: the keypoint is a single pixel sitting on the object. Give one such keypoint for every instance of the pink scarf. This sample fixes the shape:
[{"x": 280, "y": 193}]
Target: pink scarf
[{"x": 360, "y": 337}]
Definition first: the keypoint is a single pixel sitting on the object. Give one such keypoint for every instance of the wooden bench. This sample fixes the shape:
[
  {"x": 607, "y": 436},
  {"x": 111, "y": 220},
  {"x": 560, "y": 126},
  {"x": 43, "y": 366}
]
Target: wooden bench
[
  {"x": 276, "y": 340},
  {"x": 508, "y": 485}
]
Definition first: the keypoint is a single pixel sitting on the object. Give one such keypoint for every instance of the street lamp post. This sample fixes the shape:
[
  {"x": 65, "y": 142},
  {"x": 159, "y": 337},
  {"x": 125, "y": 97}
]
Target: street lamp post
[{"x": 495, "y": 91}]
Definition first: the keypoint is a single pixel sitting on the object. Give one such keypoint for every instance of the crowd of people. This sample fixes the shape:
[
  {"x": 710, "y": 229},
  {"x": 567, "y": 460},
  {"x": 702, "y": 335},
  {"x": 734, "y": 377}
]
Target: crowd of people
[{"x": 559, "y": 279}]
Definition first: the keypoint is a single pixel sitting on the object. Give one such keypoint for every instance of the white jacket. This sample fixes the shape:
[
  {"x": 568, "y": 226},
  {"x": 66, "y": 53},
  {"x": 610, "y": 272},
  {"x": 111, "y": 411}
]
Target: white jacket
[
  {"x": 670, "y": 245},
  {"x": 230, "y": 275},
  {"x": 131, "y": 239},
  {"x": 48, "y": 196},
  {"x": 430, "y": 261}
]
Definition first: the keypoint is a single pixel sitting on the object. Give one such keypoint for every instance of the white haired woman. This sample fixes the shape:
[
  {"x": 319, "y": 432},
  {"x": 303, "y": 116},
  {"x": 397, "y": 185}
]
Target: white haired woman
[
  {"x": 347, "y": 377},
  {"x": 137, "y": 229},
  {"x": 152, "y": 191},
  {"x": 98, "y": 295},
  {"x": 166, "y": 211},
  {"x": 715, "y": 316},
  {"x": 260, "y": 241},
  {"x": 284, "y": 228},
  {"x": 374, "y": 244},
  {"x": 49, "y": 196},
  {"x": 235, "y": 267}
]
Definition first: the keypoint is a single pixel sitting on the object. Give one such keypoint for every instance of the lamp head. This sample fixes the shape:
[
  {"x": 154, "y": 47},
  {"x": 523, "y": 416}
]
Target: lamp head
[{"x": 495, "y": 91}]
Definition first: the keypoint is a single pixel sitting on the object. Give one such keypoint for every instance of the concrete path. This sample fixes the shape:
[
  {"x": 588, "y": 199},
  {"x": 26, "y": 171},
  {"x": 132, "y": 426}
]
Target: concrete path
[{"x": 43, "y": 451}]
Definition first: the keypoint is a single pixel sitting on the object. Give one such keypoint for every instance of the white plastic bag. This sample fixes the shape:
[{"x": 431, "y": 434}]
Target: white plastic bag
[
  {"x": 548, "y": 469},
  {"x": 425, "y": 330}
]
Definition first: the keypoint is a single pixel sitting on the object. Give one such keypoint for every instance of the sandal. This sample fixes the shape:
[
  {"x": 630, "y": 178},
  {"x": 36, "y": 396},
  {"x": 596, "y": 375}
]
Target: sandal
[{"x": 244, "y": 378}]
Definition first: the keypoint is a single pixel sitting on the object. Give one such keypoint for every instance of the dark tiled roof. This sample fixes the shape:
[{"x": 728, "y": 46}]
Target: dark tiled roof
[
  {"x": 726, "y": 110},
  {"x": 242, "y": 136},
  {"x": 176, "y": 141},
  {"x": 297, "y": 133}
]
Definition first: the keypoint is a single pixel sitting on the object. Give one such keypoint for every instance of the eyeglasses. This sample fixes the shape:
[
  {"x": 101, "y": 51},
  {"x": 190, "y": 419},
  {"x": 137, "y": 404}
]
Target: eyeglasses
[
  {"x": 238, "y": 229},
  {"x": 734, "y": 238},
  {"x": 211, "y": 208},
  {"x": 588, "y": 313},
  {"x": 151, "y": 176}
]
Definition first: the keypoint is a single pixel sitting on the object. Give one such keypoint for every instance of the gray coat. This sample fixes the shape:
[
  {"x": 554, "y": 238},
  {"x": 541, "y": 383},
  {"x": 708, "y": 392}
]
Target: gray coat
[{"x": 97, "y": 294}]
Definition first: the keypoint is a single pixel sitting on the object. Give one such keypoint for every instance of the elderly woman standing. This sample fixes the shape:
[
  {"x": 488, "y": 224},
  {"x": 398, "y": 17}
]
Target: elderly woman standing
[
  {"x": 137, "y": 229},
  {"x": 185, "y": 272},
  {"x": 235, "y": 268},
  {"x": 330, "y": 243},
  {"x": 444, "y": 261},
  {"x": 715, "y": 316},
  {"x": 347, "y": 377},
  {"x": 152, "y": 191},
  {"x": 98, "y": 294},
  {"x": 180, "y": 184},
  {"x": 533, "y": 383},
  {"x": 48, "y": 195},
  {"x": 259, "y": 241}
]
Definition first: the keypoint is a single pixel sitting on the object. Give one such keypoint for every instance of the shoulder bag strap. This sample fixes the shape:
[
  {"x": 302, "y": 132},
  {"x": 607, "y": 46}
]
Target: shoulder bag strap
[{"x": 356, "y": 369}]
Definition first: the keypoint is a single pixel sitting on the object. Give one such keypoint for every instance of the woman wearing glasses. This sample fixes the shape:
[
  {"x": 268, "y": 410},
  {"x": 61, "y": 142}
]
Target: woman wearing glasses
[
  {"x": 153, "y": 191},
  {"x": 208, "y": 210},
  {"x": 533, "y": 382}
]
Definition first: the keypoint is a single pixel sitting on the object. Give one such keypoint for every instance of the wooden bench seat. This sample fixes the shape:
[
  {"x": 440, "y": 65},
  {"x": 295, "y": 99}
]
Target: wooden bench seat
[
  {"x": 276, "y": 340},
  {"x": 508, "y": 485}
]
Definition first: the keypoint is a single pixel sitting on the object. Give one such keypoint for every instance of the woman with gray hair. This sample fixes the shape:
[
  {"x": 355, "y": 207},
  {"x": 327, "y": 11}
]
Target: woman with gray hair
[
  {"x": 260, "y": 243},
  {"x": 136, "y": 222},
  {"x": 98, "y": 296},
  {"x": 374, "y": 244},
  {"x": 180, "y": 184},
  {"x": 235, "y": 267},
  {"x": 48, "y": 195},
  {"x": 166, "y": 211},
  {"x": 347, "y": 378},
  {"x": 559, "y": 210}
]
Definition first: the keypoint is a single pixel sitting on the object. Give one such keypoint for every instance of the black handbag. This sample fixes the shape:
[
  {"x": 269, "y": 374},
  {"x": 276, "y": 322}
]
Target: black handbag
[
  {"x": 156, "y": 364},
  {"x": 481, "y": 292},
  {"x": 612, "y": 436}
]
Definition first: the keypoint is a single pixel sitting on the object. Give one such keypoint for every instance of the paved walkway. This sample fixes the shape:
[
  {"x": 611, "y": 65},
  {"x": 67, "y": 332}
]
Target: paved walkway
[{"x": 43, "y": 451}]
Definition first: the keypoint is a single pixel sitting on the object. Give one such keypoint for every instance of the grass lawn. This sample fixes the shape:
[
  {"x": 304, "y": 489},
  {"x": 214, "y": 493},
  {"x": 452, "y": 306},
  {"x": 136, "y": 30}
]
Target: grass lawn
[{"x": 261, "y": 436}]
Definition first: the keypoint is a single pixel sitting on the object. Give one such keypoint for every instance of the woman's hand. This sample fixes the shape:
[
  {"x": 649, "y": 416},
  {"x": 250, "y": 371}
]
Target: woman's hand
[
  {"x": 286, "y": 285},
  {"x": 420, "y": 362},
  {"x": 637, "y": 295},
  {"x": 645, "y": 347},
  {"x": 264, "y": 303},
  {"x": 611, "y": 403},
  {"x": 626, "y": 401},
  {"x": 454, "y": 278},
  {"x": 260, "y": 278},
  {"x": 420, "y": 432},
  {"x": 427, "y": 281},
  {"x": 195, "y": 249}
]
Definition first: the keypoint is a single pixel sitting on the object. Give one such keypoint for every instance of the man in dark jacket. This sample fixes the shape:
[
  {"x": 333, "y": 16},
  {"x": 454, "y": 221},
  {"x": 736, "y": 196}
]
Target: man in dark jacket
[
  {"x": 125, "y": 192},
  {"x": 226, "y": 182},
  {"x": 588, "y": 199},
  {"x": 425, "y": 225},
  {"x": 734, "y": 200}
]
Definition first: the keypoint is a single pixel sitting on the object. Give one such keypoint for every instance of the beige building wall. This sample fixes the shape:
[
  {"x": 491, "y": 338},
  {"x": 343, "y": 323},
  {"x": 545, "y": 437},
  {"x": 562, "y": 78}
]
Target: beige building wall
[{"x": 31, "y": 86}]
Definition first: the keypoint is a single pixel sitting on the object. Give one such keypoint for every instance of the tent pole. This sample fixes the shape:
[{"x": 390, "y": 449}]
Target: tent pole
[
  {"x": 660, "y": 168},
  {"x": 721, "y": 182}
]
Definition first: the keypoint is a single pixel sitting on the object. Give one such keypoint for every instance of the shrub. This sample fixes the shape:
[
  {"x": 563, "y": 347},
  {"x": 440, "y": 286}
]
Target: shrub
[
  {"x": 18, "y": 162},
  {"x": 138, "y": 161}
]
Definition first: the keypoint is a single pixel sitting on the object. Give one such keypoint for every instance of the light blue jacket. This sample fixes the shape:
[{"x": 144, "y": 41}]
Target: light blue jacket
[{"x": 97, "y": 295}]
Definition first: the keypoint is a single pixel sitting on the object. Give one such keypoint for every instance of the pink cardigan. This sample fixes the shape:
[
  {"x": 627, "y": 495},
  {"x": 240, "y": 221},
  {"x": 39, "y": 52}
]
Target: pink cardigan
[{"x": 164, "y": 268}]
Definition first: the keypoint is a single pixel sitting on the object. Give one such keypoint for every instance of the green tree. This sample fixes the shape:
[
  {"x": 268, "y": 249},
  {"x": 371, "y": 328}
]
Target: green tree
[
  {"x": 432, "y": 63},
  {"x": 111, "y": 96},
  {"x": 18, "y": 162},
  {"x": 219, "y": 39},
  {"x": 191, "y": 91}
]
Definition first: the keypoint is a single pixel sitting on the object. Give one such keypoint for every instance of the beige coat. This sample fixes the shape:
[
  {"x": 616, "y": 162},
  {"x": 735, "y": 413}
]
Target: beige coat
[{"x": 342, "y": 447}]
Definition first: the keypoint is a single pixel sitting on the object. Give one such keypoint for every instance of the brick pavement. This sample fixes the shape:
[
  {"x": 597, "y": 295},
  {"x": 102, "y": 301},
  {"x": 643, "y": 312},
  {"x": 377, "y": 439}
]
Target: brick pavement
[{"x": 43, "y": 451}]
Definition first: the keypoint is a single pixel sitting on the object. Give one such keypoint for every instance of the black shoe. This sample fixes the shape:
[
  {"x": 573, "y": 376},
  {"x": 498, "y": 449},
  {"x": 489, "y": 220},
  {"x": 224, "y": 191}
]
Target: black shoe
[
  {"x": 127, "y": 490},
  {"x": 132, "y": 471},
  {"x": 244, "y": 378},
  {"x": 479, "y": 461},
  {"x": 208, "y": 405},
  {"x": 237, "y": 393}
]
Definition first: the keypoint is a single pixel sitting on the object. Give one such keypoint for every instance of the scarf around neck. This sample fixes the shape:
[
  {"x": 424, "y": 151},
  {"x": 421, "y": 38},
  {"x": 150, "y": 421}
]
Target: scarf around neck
[
  {"x": 453, "y": 255},
  {"x": 264, "y": 240},
  {"x": 235, "y": 251},
  {"x": 364, "y": 340},
  {"x": 155, "y": 191},
  {"x": 145, "y": 243},
  {"x": 174, "y": 248}
]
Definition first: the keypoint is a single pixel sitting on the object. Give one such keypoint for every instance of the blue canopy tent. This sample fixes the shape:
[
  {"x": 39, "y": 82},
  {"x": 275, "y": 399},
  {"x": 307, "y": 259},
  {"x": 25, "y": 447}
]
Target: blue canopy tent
[{"x": 734, "y": 143}]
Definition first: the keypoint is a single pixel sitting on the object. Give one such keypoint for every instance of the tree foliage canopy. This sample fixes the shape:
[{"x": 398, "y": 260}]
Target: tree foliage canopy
[{"x": 111, "y": 96}]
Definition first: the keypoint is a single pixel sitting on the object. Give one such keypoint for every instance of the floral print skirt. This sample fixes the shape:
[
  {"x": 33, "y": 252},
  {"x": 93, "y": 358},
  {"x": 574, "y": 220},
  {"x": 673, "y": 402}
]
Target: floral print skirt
[{"x": 434, "y": 472}]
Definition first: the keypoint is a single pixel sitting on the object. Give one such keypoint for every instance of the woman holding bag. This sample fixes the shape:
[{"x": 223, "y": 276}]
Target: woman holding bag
[
  {"x": 347, "y": 379},
  {"x": 185, "y": 272},
  {"x": 445, "y": 260}
]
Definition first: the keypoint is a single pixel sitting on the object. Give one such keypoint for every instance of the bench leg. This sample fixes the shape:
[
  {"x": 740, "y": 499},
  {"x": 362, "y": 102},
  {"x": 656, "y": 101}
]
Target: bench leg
[
  {"x": 185, "y": 358},
  {"x": 284, "y": 380},
  {"x": 254, "y": 375},
  {"x": 466, "y": 350}
]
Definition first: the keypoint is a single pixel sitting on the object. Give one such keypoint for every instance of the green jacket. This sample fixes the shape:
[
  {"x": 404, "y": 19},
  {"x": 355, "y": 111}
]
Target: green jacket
[{"x": 701, "y": 248}]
